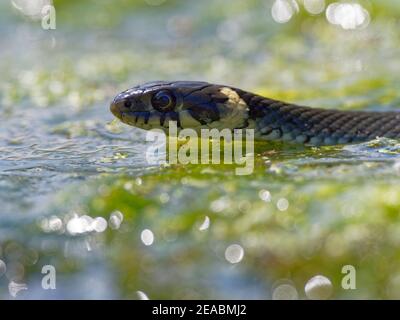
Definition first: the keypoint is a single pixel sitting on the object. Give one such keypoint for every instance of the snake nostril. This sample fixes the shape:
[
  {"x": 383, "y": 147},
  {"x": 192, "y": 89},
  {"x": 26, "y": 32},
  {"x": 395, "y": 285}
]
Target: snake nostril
[{"x": 128, "y": 103}]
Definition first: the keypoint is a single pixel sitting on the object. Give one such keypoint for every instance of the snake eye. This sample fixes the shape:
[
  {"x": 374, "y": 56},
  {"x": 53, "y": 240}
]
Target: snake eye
[
  {"x": 163, "y": 101},
  {"x": 127, "y": 103}
]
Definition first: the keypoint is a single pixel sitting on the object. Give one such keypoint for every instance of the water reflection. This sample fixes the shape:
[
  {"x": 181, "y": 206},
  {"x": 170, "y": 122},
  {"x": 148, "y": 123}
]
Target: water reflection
[
  {"x": 318, "y": 288},
  {"x": 234, "y": 253},
  {"x": 115, "y": 220},
  {"x": 205, "y": 225},
  {"x": 282, "y": 204},
  {"x": 348, "y": 15},
  {"x": 142, "y": 295},
  {"x": 283, "y": 10},
  {"x": 147, "y": 237},
  {"x": 284, "y": 290},
  {"x": 314, "y": 6}
]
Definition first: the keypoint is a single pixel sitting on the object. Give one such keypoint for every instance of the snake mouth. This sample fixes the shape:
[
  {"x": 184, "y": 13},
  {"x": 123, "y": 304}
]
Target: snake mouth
[
  {"x": 150, "y": 119},
  {"x": 154, "y": 119},
  {"x": 115, "y": 110}
]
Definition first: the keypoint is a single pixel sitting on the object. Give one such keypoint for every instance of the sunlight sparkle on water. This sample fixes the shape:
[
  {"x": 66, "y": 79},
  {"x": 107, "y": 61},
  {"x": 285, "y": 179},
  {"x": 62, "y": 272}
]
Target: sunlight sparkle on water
[
  {"x": 314, "y": 6},
  {"x": 78, "y": 225},
  {"x": 205, "y": 225},
  {"x": 264, "y": 195},
  {"x": 115, "y": 220},
  {"x": 52, "y": 224},
  {"x": 349, "y": 16},
  {"x": 55, "y": 223},
  {"x": 318, "y": 288},
  {"x": 147, "y": 237},
  {"x": 99, "y": 224},
  {"x": 128, "y": 186},
  {"x": 85, "y": 224},
  {"x": 285, "y": 292},
  {"x": 283, "y": 10},
  {"x": 142, "y": 295},
  {"x": 234, "y": 253},
  {"x": 282, "y": 204}
]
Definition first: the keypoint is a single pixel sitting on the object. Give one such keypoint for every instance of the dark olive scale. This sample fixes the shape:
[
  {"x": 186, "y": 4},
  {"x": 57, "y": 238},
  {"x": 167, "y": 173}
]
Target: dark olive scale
[{"x": 331, "y": 126}]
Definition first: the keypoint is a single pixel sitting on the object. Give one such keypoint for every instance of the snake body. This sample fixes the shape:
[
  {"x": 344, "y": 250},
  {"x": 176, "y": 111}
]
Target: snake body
[{"x": 199, "y": 105}]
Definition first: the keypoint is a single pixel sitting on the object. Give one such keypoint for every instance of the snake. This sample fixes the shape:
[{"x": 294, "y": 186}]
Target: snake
[{"x": 201, "y": 105}]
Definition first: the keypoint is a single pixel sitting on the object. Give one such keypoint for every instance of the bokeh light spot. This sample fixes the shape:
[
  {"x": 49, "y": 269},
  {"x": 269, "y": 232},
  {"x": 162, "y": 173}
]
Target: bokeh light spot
[
  {"x": 282, "y": 204},
  {"x": 205, "y": 225},
  {"x": 318, "y": 288},
  {"x": 264, "y": 195},
  {"x": 234, "y": 253},
  {"x": 314, "y": 6},
  {"x": 285, "y": 292},
  {"x": 99, "y": 224},
  {"x": 142, "y": 295},
  {"x": 147, "y": 237},
  {"x": 349, "y": 16},
  {"x": 115, "y": 220},
  {"x": 283, "y": 10}
]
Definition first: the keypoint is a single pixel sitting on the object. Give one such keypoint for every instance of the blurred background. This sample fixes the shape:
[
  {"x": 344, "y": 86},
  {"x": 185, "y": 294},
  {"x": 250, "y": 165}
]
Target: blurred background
[{"x": 77, "y": 193}]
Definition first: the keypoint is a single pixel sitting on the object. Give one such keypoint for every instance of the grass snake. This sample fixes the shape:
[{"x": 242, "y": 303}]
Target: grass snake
[{"x": 201, "y": 105}]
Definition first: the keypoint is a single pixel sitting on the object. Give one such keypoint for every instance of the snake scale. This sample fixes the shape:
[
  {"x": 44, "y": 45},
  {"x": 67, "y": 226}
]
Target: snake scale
[{"x": 201, "y": 105}]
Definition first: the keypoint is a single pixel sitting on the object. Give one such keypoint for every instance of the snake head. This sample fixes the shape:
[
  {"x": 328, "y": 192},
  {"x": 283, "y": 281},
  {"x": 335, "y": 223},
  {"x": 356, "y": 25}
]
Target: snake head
[{"x": 191, "y": 104}]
